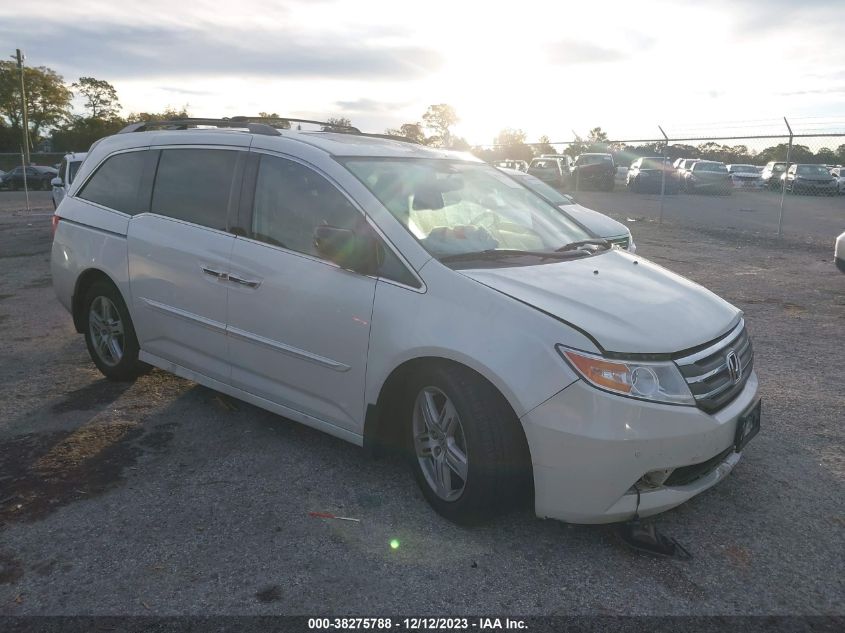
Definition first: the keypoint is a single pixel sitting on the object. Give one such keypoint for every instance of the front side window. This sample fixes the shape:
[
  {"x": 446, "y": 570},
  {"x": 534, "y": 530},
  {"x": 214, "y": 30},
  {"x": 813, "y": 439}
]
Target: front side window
[
  {"x": 194, "y": 185},
  {"x": 116, "y": 182},
  {"x": 291, "y": 200},
  {"x": 455, "y": 207}
]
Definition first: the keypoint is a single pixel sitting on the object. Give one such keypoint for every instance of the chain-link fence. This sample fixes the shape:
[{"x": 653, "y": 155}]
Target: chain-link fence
[{"x": 791, "y": 183}]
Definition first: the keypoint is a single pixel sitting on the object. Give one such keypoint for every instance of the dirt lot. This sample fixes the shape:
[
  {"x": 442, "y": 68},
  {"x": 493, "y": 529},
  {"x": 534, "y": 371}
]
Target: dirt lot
[{"x": 162, "y": 497}]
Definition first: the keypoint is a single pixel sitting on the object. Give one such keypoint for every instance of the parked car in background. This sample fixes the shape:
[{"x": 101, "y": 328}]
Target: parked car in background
[
  {"x": 509, "y": 163},
  {"x": 839, "y": 252},
  {"x": 651, "y": 173},
  {"x": 707, "y": 176},
  {"x": 772, "y": 173},
  {"x": 37, "y": 177},
  {"x": 811, "y": 179},
  {"x": 396, "y": 295},
  {"x": 745, "y": 176},
  {"x": 839, "y": 174},
  {"x": 596, "y": 223},
  {"x": 594, "y": 170},
  {"x": 683, "y": 164},
  {"x": 67, "y": 170},
  {"x": 551, "y": 170}
]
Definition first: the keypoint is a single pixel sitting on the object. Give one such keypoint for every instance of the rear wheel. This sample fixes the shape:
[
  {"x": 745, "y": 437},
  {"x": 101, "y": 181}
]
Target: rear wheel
[
  {"x": 467, "y": 450},
  {"x": 109, "y": 334}
]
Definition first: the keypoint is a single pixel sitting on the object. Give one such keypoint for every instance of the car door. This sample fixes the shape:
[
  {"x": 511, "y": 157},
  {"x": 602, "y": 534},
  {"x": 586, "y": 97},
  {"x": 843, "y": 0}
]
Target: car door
[
  {"x": 299, "y": 325},
  {"x": 179, "y": 257}
]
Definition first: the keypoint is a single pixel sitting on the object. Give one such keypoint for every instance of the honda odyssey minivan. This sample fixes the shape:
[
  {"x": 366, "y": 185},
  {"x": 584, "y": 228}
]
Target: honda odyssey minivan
[{"x": 408, "y": 298}]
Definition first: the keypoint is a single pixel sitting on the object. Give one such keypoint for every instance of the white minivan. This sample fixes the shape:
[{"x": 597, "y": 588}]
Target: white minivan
[
  {"x": 408, "y": 298},
  {"x": 70, "y": 164}
]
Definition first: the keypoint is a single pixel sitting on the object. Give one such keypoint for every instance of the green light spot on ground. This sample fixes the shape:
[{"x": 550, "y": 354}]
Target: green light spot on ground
[{"x": 394, "y": 544}]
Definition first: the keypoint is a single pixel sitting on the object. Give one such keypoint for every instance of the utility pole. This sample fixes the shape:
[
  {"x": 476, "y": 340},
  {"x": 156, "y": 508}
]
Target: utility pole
[
  {"x": 785, "y": 171},
  {"x": 663, "y": 172},
  {"x": 25, "y": 119}
]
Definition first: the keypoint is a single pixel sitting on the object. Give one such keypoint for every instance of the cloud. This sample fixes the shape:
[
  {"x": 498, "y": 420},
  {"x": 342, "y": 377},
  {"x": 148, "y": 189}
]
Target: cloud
[
  {"x": 370, "y": 105},
  {"x": 567, "y": 52},
  {"x": 125, "y": 51}
]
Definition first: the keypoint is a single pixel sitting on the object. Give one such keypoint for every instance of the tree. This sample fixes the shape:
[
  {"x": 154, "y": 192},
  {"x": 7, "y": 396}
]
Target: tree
[
  {"x": 336, "y": 123},
  {"x": 439, "y": 119},
  {"x": 412, "y": 131},
  {"x": 826, "y": 155},
  {"x": 100, "y": 97},
  {"x": 47, "y": 98},
  {"x": 168, "y": 114},
  {"x": 544, "y": 146},
  {"x": 510, "y": 144},
  {"x": 840, "y": 154},
  {"x": 81, "y": 132}
]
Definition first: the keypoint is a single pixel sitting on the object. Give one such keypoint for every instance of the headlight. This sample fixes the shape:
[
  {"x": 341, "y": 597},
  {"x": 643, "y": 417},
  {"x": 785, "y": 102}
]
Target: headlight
[{"x": 655, "y": 381}]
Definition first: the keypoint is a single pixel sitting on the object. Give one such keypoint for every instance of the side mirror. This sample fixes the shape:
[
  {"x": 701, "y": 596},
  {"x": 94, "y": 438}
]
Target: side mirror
[
  {"x": 56, "y": 182},
  {"x": 347, "y": 248}
]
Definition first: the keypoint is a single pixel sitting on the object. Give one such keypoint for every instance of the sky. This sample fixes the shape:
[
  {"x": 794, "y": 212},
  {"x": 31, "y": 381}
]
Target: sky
[{"x": 548, "y": 68}]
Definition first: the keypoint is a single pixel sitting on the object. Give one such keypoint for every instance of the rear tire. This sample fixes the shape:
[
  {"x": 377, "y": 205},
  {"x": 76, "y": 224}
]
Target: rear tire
[
  {"x": 466, "y": 447},
  {"x": 109, "y": 333}
]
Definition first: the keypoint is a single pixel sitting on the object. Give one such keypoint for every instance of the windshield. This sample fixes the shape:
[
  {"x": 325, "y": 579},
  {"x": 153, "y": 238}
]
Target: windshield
[
  {"x": 549, "y": 193},
  {"x": 812, "y": 170},
  {"x": 593, "y": 159},
  {"x": 455, "y": 207},
  {"x": 743, "y": 169},
  {"x": 651, "y": 163},
  {"x": 714, "y": 167},
  {"x": 544, "y": 164},
  {"x": 73, "y": 168}
]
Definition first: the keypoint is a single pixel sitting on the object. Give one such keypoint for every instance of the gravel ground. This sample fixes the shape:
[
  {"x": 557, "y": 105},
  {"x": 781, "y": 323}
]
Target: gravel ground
[{"x": 163, "y": 497}]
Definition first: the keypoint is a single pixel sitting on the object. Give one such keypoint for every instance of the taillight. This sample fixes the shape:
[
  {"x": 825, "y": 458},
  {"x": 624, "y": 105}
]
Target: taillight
[{"x": 54, "y": 223}]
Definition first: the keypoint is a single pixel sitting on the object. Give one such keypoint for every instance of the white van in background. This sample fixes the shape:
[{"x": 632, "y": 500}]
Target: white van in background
[{"x": 67, "y": 171}]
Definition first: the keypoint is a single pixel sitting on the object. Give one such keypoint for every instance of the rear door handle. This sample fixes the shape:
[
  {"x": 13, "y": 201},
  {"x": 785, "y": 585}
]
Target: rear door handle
[{"x": 249, "y": 283}]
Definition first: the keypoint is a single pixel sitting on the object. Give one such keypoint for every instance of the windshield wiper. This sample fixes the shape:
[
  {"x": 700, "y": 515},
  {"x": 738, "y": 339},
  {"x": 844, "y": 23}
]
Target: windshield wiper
[
  {"x": 575, "y": 245},
  {"x": 502, "y": 253}
]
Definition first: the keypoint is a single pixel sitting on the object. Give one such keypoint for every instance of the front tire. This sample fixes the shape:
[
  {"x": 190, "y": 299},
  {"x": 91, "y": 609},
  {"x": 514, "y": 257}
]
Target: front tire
[
  {"x": 109, "y": 333},
  {"x": 467, "y": 450}
]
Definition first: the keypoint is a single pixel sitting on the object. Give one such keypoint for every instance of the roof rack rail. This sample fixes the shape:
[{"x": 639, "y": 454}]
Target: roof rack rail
[
  {"x": 184, "y": 124},
  {"x": 268, "y": 126}
]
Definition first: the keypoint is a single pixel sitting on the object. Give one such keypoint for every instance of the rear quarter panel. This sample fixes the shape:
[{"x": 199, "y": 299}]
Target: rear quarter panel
[{"x": 88, "y": 237}]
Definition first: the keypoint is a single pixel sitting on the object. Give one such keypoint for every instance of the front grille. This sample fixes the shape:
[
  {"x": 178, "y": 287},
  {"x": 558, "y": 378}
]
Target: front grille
[
  {"x": 621, "y": 242},
  {"x": 688, "y": 474},
  {"x": 708, "y": 374}
]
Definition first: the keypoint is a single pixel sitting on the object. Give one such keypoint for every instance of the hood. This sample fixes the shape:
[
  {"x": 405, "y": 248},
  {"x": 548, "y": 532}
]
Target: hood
[
  {"x": 598, "y": 223},
  {"x": 816, "y": 178},
  {"x": 627, "y": 308}
]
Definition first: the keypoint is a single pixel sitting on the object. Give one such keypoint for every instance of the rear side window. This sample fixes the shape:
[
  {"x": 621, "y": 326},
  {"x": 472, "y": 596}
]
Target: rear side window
[
  {"x": 116, "y": 182},
  {"x": 194, "y": 185}
]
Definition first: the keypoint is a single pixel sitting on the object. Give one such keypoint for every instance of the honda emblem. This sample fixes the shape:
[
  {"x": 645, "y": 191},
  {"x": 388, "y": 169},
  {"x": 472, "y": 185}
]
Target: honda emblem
[{"x": 734, "y": 366}]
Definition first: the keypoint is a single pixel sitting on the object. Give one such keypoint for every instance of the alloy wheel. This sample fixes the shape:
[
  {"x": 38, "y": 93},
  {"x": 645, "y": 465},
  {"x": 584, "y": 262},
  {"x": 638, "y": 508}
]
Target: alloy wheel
[
  {"x": 106, "y": 329},
  {"x": 440, "y": 444}
]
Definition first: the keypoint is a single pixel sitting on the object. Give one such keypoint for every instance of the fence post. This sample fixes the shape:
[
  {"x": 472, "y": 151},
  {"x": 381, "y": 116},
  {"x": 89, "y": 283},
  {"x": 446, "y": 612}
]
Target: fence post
[
  {"x": 785, "y": 171},
  {"x": 663, "y": 173}
]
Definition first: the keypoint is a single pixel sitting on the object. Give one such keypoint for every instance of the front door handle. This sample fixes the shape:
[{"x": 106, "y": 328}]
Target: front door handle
[
  {"x": 214, "y": 273},
  {"x": 249, "y": 283}
]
